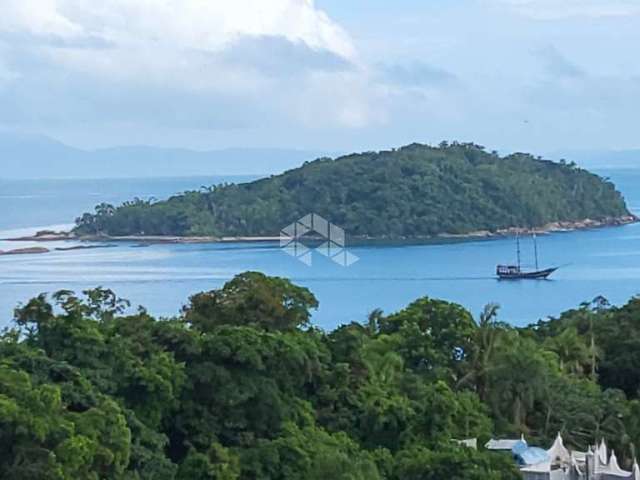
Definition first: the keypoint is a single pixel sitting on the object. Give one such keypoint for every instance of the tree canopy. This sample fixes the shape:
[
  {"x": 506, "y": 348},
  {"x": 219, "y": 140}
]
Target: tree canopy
[
  {"x": 242, "y": 386},
  {"x": 416, "y": 191}
]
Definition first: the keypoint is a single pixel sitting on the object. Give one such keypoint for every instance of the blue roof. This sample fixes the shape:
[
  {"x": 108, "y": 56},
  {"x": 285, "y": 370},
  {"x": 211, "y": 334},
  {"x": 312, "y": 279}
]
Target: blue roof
[
  {"x": 519, "y": 447},
  {"x": 533, "y": 456}
]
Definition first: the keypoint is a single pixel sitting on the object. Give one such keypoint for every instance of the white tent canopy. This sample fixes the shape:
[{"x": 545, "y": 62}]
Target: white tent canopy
[
  {"x": 613, "y": 469},
  {"x": 558, "y": 452}
]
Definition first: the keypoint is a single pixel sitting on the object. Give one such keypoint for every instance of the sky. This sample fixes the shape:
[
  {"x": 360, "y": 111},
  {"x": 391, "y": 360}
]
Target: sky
[{"x": 331, "y": 75}]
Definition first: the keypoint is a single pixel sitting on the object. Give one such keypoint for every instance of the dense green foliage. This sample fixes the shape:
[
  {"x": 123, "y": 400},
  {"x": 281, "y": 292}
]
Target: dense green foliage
[
  {"x": 240, "y": 386},
  {"x": 415, "y": 191}
]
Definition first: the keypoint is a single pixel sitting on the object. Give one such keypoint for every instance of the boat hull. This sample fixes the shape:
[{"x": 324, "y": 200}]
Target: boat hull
[{"x": 536, "y": 275}]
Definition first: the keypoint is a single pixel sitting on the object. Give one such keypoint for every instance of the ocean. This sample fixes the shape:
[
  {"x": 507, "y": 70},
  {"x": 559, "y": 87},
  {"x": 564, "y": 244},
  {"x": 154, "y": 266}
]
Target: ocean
[{"x": 161, "y": 277}]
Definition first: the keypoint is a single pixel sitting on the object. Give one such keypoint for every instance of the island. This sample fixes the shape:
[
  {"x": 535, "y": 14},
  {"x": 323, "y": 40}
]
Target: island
[{"x": 417, "y": 191}]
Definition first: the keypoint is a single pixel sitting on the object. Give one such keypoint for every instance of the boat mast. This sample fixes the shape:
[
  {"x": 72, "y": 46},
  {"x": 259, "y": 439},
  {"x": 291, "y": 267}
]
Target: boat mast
[
  {"x": 535, "y": 248},
  {"x": 518, "y": 248}
]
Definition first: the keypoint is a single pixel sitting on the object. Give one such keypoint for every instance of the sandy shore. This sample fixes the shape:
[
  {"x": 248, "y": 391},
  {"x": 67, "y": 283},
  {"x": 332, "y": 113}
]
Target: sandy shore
[
  {"x": 48, "y": 236},
  {"x": 155, "y": 239}
]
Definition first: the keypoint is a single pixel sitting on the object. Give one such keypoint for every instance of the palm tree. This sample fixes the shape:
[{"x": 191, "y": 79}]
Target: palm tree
[
  {"x": 384, "y": 364},
  {"x": 520, "y": 379},
  {"x": 573, "y": 352},
  {"x": 486, "y": 335},
  {"x": 373, "y": 321}
]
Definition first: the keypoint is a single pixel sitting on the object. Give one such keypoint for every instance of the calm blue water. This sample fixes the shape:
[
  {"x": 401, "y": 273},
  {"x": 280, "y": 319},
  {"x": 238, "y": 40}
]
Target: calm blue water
[
  {"x": 33, "y": 203},
  {"x": 161, "y": 277}
]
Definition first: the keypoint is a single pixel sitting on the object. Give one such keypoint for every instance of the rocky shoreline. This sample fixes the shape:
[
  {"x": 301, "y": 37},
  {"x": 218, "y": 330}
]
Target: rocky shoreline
[
  {"x": 44, "y": 236},
  {"x": 25, "y": 251},
  {"x": 554, "y": 227},
  {"x": 41, "y": 250},
  {"x": 148, "y": 239},
  {"x": 50, "y": 236}
]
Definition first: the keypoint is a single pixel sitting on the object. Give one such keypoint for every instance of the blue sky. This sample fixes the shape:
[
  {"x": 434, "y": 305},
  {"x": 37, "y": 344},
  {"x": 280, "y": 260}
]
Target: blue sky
[{"x": 335, "y": 75}]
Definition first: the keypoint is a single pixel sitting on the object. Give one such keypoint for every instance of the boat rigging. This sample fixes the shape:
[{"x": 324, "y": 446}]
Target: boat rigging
[{"x": 516, "y": 272}]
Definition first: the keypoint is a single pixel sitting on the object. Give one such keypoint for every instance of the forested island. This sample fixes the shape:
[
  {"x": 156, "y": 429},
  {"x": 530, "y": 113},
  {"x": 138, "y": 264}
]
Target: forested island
[
  {"x": 241, "y": 386},
  {"x": 417, "y": 191}
]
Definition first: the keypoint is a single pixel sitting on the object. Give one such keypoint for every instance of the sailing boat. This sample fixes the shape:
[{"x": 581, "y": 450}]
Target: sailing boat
[{"x": 516, "y": 272}]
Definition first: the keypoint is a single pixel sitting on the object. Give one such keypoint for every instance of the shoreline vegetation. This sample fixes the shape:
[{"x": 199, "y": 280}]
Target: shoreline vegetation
[
  {"x": 241, "y": 386},
  {"x": 553, "y": 227},
  {"x": 411, "y": 195},
  {"x": 417, "y": 192}
]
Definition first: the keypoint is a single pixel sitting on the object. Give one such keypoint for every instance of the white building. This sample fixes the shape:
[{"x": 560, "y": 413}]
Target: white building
[{"x": 559, "y": 463}]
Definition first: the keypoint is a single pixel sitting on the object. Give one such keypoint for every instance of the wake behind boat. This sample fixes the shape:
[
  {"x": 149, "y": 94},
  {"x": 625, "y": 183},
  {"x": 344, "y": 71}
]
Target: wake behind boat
[{"x": 516, "y": 272}]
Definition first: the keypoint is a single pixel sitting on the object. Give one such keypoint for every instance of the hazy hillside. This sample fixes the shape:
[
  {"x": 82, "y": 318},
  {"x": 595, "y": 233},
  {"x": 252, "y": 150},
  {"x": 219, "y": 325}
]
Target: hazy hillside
[
  {"x": 25, "y": 156},
  {"x": 415, "y": 191}
]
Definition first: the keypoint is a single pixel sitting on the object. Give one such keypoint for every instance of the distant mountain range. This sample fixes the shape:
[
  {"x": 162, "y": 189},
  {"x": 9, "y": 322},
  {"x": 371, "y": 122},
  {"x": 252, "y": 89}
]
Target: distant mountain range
[
  {"x": 601, "y": 158},
  {"x": 37, "y": 157}
]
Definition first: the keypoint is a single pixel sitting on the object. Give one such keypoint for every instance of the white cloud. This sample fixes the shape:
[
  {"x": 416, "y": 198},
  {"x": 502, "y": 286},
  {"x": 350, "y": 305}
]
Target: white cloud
[
  {"x": 559, "y": 9},
  {"x": 166, "y": 41},
  {"x": 232, "y": 54},
  {"x": 282, "y": 72},
  {"x": 187, "y": 24},
  {"x": 356, "y": 101},
  {"x": 37, "y": 17}
]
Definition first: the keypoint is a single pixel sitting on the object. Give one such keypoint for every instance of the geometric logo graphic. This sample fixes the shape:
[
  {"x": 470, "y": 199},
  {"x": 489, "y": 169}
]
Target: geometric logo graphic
[{"x": 333, "y": 238}]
